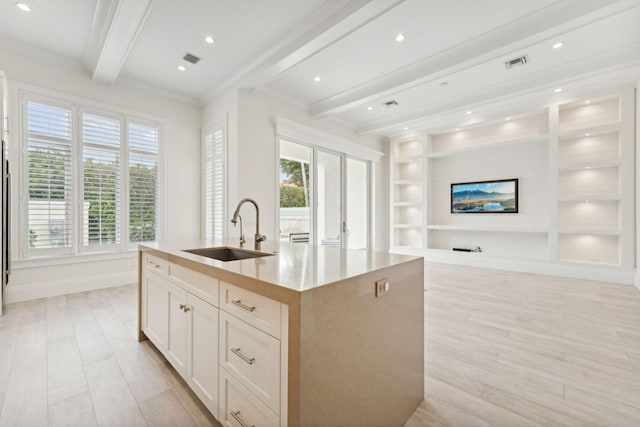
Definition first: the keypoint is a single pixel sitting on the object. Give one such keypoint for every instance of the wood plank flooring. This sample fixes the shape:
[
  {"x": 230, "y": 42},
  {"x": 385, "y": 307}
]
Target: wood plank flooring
[
  {"x": 501, "y": 349},
  {"x": 74, "y": 361},
  {"x": 515, "y": 349}
]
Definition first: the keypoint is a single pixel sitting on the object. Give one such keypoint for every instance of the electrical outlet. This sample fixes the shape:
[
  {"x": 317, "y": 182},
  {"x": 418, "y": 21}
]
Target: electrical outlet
[{"x": 382, "y": 287}]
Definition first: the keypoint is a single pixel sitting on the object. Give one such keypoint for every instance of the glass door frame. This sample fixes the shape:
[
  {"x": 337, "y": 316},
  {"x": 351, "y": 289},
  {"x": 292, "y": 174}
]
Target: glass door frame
[{"x": 313, "y": 169}]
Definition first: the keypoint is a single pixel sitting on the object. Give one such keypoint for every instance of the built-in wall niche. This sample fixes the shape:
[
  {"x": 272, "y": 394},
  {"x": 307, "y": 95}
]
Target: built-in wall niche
[
  {"x": 409, "y": 193},
  {"x": 589, "y": 148},
  {"x": 589, "y": 248},
  {"x": 588, "y": 181},
  {"x": 407, "y": 236},
  {"x": 510, "y": 130},
  {"x": 589, "y": 114},
  {"x": 410, "y": 170},
  {"x": 408, "y": 215},
  {"x": 589, "y": 215},
  {"x": 408, "y": 149},
  {"x": 494, "y": 244}
]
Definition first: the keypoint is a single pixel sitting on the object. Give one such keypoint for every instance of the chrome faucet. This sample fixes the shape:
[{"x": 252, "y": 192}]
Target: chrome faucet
[
  {"x": 258, "y": 237},
  {"x": 242, "y": 240}
]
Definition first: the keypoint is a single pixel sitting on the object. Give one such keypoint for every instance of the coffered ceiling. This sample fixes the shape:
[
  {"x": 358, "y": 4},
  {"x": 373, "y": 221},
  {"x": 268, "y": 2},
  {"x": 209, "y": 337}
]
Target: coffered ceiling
[{"x": 344, "y": 58}]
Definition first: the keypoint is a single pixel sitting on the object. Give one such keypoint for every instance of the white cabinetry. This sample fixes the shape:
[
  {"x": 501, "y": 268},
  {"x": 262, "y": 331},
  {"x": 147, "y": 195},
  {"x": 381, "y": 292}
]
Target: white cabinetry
[
  {"x": 251, "y": 366},
  {"x": 575, "y": 164},
  {"x": 181, "y": 325}
]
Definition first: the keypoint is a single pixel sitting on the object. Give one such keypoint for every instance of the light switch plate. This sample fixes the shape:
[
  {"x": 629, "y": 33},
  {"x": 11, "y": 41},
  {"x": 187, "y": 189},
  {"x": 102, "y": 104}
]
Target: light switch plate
[{"x": 382, "y": 287}]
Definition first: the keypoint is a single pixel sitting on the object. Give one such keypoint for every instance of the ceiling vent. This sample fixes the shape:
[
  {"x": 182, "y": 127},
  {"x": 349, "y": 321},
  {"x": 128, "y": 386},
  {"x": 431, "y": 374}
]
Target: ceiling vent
[
  {"x": 391, "y": 103},
  {"x": 191, "y": 58},
  {"x": 516, "y": 62}
]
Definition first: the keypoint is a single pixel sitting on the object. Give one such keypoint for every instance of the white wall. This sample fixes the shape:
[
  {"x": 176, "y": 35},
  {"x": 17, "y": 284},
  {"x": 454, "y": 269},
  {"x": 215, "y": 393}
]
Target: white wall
[
  {"x": 32, "y": 278},
  {"x": 637, "y": 215},
  {"x": 253, "y": 149}
]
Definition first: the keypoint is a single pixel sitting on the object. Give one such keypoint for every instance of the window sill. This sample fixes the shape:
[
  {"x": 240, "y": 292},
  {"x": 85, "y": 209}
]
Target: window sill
[{"x": 56, "y": 260}]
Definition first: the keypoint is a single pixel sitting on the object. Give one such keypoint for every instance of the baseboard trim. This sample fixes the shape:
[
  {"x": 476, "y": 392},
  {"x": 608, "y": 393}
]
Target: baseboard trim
[
  {"x": 67, "y": 286},
  {"x": 587, "y": 272}
]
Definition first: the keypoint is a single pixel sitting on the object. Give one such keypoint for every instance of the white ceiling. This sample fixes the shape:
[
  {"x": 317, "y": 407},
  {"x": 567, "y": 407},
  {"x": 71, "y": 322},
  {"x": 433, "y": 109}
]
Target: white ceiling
[{"x": 281, "y": 45}]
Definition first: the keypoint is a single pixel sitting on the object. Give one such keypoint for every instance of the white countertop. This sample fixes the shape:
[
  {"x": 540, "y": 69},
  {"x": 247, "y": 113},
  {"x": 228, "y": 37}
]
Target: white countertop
[{"x": 294, "y": 266}]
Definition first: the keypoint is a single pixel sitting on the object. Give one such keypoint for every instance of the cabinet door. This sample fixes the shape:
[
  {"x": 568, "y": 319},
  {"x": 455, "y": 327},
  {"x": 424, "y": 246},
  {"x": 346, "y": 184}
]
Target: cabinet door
[
  {"x": 177, "y": 342},
  {"x": 155, "y": 291},
  {"x": 202, "y": 345}
]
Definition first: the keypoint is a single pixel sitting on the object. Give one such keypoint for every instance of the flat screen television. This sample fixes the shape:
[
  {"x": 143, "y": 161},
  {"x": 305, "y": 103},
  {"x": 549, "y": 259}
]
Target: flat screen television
[{"x": 500, "y": 196}]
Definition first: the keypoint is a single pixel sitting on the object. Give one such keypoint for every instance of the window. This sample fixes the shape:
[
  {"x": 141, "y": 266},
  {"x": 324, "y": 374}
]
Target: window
[
  {"x": 94, "y": 189},
  {"x": 213, "y": 181},
  {"x": 49, "y": 147}
]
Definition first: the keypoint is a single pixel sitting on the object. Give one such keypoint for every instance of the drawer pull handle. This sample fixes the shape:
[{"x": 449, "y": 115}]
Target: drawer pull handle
[
  {"x": 239, "y": 303},
  {"x": 237, "y": 352},
  {"x": 236, "y": 415},
  {"x": 153, "y": 264},
  {"x": 185, "y": 308}
]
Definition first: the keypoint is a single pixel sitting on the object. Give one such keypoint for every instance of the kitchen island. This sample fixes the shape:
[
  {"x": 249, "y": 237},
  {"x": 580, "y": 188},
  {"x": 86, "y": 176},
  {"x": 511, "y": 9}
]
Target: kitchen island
[{"x": 306, "y": 335}]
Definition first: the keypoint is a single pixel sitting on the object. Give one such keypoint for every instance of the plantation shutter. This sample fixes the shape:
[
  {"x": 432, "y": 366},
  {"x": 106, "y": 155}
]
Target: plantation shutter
[
  {"x": 143, "y": 182},
  {"x": 101, "y": 180},
  {"x": 49, "y": 170},
  {"x": 214, "y": 182}
]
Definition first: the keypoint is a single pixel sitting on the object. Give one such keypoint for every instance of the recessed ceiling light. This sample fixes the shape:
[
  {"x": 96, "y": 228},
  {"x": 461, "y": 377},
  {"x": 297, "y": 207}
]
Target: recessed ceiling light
[
  {"x": 400, "y": 37},
  {"x": 209, "y": 39},
  {"x": 468, "y": 112},
  {"x": 316, "y": 79},
  {"x": 557, "y": 45},
  {"x": 23, "y": 6},
  {"x": 508, "y": 118},
  {"x": 586, "y": 167},
  {"x": 558, "y": 90},
  {"x": 587, "y": 102},
  {"x": 406, "y": 128},
  {"x": 181, "y": 68},
  {"x": 587, "y": 134},
  {"x": 457, "y": 129},
  {"x": 369, "y": 108},
  {"x": 443, "y": 84}
]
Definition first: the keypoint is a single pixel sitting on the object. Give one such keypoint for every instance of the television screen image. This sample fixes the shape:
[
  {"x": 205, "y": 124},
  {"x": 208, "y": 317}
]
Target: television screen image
[{"x": 499, "y": 196}]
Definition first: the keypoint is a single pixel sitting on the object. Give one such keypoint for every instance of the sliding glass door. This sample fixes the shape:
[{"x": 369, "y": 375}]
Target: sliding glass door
[{"x": 324, "y": 197}]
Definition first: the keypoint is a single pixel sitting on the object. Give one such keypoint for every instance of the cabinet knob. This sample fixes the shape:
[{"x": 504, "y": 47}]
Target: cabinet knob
[{"x": 184, "y": 307}]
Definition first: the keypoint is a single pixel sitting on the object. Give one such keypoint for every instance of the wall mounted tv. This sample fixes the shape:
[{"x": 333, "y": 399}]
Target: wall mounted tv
[{"x": 499, "y": 196}]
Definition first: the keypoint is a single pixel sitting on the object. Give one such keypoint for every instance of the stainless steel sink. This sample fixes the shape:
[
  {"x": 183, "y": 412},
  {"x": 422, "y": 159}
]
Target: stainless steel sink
[{"x": 226, "y": 254}]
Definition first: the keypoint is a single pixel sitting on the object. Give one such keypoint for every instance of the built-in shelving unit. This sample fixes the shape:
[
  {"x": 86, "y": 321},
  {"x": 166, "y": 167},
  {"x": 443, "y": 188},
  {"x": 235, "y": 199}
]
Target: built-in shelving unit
[
  {"x": 407, "y": 194},
  {"x": 575, "y": 164}
]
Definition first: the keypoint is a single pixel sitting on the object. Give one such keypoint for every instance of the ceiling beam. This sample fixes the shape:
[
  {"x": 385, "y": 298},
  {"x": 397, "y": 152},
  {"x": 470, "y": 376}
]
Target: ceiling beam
[
  {"x": 329, "y": 24},
  {"x": 570, "y": 77},
  {"x": 519, "y": 34},
  {"x": 114, "y": 29}
]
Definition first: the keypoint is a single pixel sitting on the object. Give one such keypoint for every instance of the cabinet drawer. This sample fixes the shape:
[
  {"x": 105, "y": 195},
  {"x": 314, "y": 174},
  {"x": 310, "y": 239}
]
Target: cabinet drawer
[
  {"x": 252, "y": 357},
  {"x": 155, "y": 263},
  {"x": 256, "y": 310},
  {"x": 201, "y": 285},
  {"x": 239, "y": 408}
]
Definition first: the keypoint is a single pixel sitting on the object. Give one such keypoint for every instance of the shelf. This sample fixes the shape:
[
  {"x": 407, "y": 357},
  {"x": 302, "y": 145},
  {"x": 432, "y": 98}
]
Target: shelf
[
  {"x": 401, "y": 204},
  {"x": 588, "y": 165},
  {"x": 407, "y": 226},
  {"x": 487, "y": 228},
  {"x": 594, "y": 263},
  {"x": 609, "y": 232},
  {"x": 537, "y": 138},
  {"x": 592, "y": 130},
  {"x": 407, "y": 182},
  {"x": 413, "y": 159},
  {"x": 590, "y": 198}
]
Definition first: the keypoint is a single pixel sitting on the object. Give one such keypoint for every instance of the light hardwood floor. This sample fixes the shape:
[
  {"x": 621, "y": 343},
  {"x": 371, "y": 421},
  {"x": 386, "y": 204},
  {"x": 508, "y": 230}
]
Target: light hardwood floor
[
  {"x": 502, "y": 349},
  {"x": 514, "y": 349}
]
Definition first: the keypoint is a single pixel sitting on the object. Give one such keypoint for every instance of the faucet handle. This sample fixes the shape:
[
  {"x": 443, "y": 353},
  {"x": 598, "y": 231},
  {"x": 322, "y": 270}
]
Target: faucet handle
[{"x": 260, "y": 237}]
